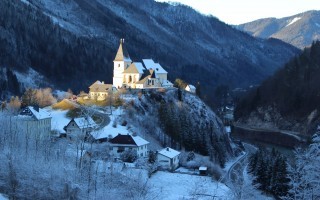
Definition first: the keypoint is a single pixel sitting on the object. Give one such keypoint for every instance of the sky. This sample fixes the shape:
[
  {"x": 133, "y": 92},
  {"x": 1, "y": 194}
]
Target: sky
[{"x": 242, "y": 11}]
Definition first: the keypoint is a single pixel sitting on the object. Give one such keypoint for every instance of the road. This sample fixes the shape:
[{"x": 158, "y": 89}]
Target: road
[
  {"x": 235, "y": 173},
  {"x": 101, "y": 118}
]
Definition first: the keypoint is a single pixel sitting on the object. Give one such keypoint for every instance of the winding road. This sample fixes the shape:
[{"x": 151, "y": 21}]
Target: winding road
[{"x": 235, "y": 173}]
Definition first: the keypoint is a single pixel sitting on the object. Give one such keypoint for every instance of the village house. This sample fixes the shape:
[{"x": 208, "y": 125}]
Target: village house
[
  {"x": 80, "y": 127},
  {"x": 34, "y": 120},
  {"x": 121, "y": 143},
  {"x": 145, "y": 74},
  {"x": 99, "y": 90},
  {"x": 168, "y": 158},
  {"x": 190, "y": 88}
]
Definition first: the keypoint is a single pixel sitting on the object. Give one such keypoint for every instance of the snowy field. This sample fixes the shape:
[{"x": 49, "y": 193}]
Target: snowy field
[
  {"x": 174, "y": 186},
  {"x": 110, "y": 131},
  {"x": 59, "y": 119},
  {"x": 2, "y": 197}
]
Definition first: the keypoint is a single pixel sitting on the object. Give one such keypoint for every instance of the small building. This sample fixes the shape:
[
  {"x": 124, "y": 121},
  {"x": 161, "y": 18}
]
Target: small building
[
  {"x": 80, "y": 127},
  {"x": 203, "y": 171},
  {"x": 34, "y": 120},
  {"x": 191, "y": 89},
  {"x": 168, "y": 158},
  {"x": 99, "y": 90},
  {"x": 228, "y": 129},
  {"x": 121, "y": 143}
]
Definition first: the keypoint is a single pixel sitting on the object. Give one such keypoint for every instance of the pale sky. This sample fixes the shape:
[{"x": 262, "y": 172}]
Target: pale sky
[{"x": 241, "y": 11}]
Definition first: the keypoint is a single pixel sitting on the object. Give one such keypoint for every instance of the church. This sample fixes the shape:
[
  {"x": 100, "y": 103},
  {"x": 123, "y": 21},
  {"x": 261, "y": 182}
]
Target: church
[
  {"x": 137, "y": 75},
  {"x": 128, "y": 74}
]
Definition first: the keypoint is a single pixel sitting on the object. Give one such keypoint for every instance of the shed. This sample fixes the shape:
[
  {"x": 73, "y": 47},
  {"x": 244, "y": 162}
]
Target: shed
[{"x": 203, "y": 171}]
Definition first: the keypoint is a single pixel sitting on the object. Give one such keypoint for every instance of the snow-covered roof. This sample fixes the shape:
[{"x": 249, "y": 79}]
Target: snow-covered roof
[
  {"x": 192, "y": 87},
  {"x": 35, "y": 112},
  {"x": 139, "y": 140},
  {"x": 150, "y": 64},
  {"x": 135, "y": 67},
  {"x": 168, "y": 152},
  {"x": 85, "y": 122},
  {"x": 167, "y": 83},
  {"x": 202, "y": 168},
  {"x": 128, "y": 140},
  {"x": 101, "y": 87}
]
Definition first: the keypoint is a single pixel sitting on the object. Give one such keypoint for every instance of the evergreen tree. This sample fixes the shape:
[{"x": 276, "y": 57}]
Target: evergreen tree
[{"x": 198, "y": 90}]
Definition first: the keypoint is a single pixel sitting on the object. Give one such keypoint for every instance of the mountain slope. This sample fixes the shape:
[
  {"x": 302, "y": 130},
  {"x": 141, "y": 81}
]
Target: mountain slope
[
  {"x": 299, "y": 30},
  {"x": 288, "y": 100},
  {"x": 68, "y": 41}
]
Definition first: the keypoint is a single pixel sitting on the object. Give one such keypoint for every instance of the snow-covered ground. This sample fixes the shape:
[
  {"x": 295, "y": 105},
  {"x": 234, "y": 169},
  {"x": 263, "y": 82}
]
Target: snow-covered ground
[
  {"x": 110, "y": 131},
  {"x": 228, "y": 164},
  {"x": 31, "y": 79},
  {"x": 59, "y": 119},
  {"x": 175, "y": 186},
  {"x": 2, "y": 197},
  {"x": 294, "y": 20}
]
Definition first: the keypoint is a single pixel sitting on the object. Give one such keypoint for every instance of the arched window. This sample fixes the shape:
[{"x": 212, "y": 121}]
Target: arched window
[{"x": 130, "y": 79}]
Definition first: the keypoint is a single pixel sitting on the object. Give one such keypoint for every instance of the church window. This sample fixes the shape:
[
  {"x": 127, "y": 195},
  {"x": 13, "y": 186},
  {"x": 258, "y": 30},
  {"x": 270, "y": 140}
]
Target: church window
[{"x": 130, "y": 79}]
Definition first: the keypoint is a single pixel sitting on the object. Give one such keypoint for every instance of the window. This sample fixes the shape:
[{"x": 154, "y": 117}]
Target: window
[
  {"x": 141, "y": 154},
  {"x": 130, "y": 79},
  {"x": 111, "y": 148},
  {"x": 120, "y": 149},
  {"x": 118, "y": 65}
]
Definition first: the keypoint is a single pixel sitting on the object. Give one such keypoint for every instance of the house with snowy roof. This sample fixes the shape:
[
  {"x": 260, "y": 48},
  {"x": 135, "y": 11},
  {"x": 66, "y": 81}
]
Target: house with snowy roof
[
  {"x": 145, "y": 74},
  {"x": 34, "y": 120},
  {"x": 121, "y": 143},
  {"x": 191, "y": 88},
  {"x": 99, "y": 90},
  {"x": 168, "y": 158},
  {"x": 80, "y": 127}
]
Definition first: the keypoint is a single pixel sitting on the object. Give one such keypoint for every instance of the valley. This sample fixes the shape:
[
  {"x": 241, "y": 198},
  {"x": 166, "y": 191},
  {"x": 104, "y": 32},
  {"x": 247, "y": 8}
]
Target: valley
[{"x": 141, "y": 99}]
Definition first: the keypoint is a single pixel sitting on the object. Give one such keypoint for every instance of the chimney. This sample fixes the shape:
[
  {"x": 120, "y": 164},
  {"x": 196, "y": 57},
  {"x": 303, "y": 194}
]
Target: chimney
[{"x": 167, "y": 148}]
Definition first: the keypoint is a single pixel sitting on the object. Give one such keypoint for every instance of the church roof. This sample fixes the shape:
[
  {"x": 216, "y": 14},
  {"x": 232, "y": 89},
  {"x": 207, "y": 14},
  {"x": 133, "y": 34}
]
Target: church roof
[
  {"x": 150, "y": 64},
  {"x": 122, "y": 54},
  {"x": 100, "y": 87},
  {"x": 134, "y": 68}
]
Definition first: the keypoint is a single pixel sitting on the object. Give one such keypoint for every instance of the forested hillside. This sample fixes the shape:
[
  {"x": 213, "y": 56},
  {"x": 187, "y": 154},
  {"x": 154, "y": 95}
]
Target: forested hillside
[
  {"x": 290, "y": 98},
  {"x": 182, "y": 121},
  {"x": 73, "y": 43}
]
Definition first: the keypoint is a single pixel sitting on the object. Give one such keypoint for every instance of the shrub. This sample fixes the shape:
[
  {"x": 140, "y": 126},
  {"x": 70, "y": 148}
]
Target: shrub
[{"x": 129, "y": 156}]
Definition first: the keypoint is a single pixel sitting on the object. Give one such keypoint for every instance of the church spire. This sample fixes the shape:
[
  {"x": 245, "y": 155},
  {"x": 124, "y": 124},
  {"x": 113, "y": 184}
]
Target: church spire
[{"x": 122, "y": 54}]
